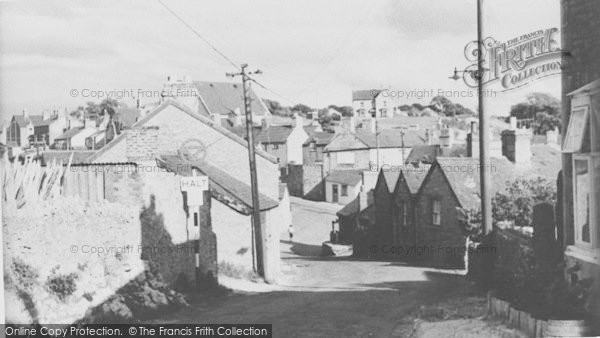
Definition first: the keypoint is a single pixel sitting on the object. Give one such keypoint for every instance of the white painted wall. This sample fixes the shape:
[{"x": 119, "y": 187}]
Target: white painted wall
[
  {"x": 295, "y": 142},
  {"x": 78, "y": 141},
  {"x": 343, "y": 200},
  {"x": 388, "y": 156}
]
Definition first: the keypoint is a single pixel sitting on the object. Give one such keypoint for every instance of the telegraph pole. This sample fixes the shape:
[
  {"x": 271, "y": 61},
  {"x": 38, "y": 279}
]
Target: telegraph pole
[
  {"x": 256, "y": 224},
  {"x": 484, "y": 175}
]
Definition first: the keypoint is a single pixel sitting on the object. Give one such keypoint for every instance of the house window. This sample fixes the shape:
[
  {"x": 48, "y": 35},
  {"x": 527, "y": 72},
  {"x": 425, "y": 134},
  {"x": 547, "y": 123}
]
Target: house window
[
  {"x": 436, "y": 212},
  {"x": 577, "y": 138},
  {"x": 344, "y": 190},
  {"x": 586, "y": 176},
  {"x": 404, "y": 213},
  {"x": 275, "y": 146},
  {"x": 345, "y": 157}
]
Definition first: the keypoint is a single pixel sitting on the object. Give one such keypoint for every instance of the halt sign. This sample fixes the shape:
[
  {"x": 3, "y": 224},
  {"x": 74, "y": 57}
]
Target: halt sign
[
  {"x": 194, "y": 186},
  {"x": 190, "y": 183}
]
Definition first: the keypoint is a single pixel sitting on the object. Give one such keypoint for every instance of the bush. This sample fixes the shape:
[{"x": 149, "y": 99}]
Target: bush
[
  {"x": 24, "y": 274},
  {"x": 516, "y": 203},
  {"x": 62, "y": 285}
]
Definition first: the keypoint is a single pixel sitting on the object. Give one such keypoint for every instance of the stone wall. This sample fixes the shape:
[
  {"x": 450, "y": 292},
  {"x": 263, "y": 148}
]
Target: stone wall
[{"x": 307, "y": 181}]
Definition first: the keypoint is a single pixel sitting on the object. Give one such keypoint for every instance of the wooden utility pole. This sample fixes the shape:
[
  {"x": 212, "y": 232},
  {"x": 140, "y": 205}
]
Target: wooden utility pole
[
  {"x": 484, "y": 130},
  {"x": 256, "y": 224}
]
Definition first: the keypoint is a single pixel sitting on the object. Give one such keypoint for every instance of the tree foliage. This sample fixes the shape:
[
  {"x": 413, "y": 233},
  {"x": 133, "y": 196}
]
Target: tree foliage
[
  {"x": 543, "y": 108},
  {"x": 516, "y": 203},
  {"x": 445, "y": 106}
]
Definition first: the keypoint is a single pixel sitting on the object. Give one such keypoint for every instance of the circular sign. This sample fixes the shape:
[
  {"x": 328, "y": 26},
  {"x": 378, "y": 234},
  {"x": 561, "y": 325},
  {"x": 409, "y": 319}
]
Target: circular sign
[{"x": 192, "y": 150}]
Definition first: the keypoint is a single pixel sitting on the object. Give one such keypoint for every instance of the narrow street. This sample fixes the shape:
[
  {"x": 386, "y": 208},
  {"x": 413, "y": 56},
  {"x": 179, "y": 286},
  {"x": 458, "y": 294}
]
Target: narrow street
[{"x": 328, "y": 297}]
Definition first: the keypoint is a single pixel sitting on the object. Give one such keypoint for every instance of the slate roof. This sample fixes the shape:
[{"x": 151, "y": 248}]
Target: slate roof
[
  {"x": 415, "y": 175},
  {"x": 388, "y": 138},
  {"x": 222, "y": 98},
  {"x": 127, "y": 116},
  {"x": 274, "y": 134},
  {"x": 69, "y": 133},
  {"x": 349, "y": 177},
  {"x": 185, "y": 109},
  {"x": 350, "y": 208},
  {"x": 462, "y": 174},
  {"x": 422, "y": 122},
  {"x": 367, "y": 94},
  {"x": 64, "y": 156},
  {"x": 423, "y": 153},
  {"x": 391, "y": 178},
  {"x": 36, "y": 120},
  {"x": 321, "y": 138},
  {"x": 220, "y": 181}
]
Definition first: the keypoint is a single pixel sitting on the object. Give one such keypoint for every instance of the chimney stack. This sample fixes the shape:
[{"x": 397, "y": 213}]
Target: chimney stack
[
  {"x": 142, "y": 144},
  {"x": 516, "y": 145},
  {"x": 513, "y": 123},
  {"x": 299, "y": 121}
]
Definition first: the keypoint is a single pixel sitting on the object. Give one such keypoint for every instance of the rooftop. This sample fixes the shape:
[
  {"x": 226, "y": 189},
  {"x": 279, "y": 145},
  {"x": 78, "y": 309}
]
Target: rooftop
[
  {"x": 221, "y": 182},
  {"x": 367, "y": 94},
  {"x": 349, "y": 177}
]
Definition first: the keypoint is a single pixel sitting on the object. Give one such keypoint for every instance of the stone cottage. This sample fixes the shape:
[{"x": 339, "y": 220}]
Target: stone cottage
[{"x": 172, "y": 129}]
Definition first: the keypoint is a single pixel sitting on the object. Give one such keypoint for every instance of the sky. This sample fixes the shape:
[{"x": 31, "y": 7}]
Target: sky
[{"x": 61, "y": 54}]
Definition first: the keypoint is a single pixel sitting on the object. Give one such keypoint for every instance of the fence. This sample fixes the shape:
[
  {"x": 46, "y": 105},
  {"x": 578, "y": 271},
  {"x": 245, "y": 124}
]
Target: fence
[{"x": 30, "y": 181}]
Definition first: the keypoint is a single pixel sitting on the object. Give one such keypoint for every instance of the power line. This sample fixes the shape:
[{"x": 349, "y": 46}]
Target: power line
[
  {"x": 271, "y": 91},
  {"x": 199, "y": 35}
]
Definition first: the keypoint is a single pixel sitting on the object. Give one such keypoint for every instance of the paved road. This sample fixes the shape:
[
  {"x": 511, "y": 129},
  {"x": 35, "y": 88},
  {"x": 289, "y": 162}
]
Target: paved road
[{"x": 328, "y": 297}]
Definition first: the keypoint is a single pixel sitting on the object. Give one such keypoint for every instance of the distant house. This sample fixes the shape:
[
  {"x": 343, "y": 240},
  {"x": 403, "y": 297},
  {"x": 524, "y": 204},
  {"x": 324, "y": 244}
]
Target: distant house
[
  {"x": 74, "y": 138},
  {"x": 342, "y": 186},
  {"x": 27, "y": 130},
  {"x": 314, "y": 146},
  {"x": 365, "y": 150},
  {"x": 373, "y": 103},
  {"x": 284, "y": 143}
]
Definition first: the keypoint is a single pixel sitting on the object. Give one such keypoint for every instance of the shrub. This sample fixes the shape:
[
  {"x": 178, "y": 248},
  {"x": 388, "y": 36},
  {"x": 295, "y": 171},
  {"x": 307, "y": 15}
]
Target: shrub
[
  {"x": 24, "y": 274},
  {"x": 62, "y": 285},
  {"x": 516, "y": 203}
]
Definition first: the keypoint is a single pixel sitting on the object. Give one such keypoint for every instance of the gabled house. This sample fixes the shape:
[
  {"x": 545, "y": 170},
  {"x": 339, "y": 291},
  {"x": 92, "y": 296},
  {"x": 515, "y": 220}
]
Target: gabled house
[
  {"x": 394, "y": 203},
  {"x": 367, "y": 150},
  {"x": 173, "y": 130},
  {"x": 28, "y": 130},
  {"x": 373, "y": 103},
  {"x": 284, "y": 143},
  {"x": 451, "y": 183},
  {"x": 313, "y": 148}
]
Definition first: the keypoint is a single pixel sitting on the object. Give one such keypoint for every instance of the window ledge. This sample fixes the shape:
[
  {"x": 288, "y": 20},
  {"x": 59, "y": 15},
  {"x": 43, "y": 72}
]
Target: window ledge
[{"x": 586, "y": 255}]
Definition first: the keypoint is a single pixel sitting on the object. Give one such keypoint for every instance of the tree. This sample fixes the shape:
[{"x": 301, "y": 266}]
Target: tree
[
  {"x": 344, "y": 110},
  {"x": 516, "y": 203},
  {"x": 543, "y": 108},
  {"x": 443, "y": 105},
  {"x": 302, "y": 108}
]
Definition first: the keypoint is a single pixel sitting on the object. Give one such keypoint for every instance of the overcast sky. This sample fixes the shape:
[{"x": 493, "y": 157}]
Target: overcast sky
[{"x": 311, "y": 51}]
